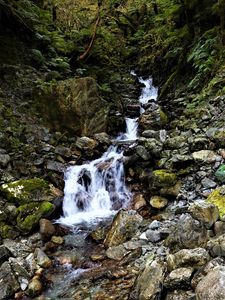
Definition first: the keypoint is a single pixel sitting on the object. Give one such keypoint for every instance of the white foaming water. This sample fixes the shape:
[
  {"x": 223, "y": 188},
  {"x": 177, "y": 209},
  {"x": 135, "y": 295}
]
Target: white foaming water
[
  {"x": 95, "y": 190},
  {"x": 131, "y": 128},
  {"x": 149, "y": 91}
]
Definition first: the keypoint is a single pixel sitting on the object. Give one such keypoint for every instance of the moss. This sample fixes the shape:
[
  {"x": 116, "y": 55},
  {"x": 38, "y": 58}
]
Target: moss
[
  {"x": 27, "y": 190},
  {"x": 163, "y": 178},
  {"x": 217, "y": 197},
  {"x": 8, "y": 232},
  {"x": 30, "y": 214},
  {"x": 163, "y": 117}
]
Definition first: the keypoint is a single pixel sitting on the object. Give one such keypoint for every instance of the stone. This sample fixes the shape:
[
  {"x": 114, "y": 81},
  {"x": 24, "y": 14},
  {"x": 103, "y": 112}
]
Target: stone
[
  {"x": 163, "y": 178},
  {"x": 187, "y": 233},
  {"x": 18, "y": 248},
  {"x": 179, "y": 278},
  {"x": 53, "y": 165},
  {"x": 149, "y": 283},
  {"x": 139, "y": 201},
  {"x": 194, "y": 258},
  {"x": 4, "y": 254},
  {"x": 216, "y": 246},
  {"x": 8, "y": 282},
  {"x": 208, "y": 183},
  {"x": 4, "y": 160},
  {"x": 42, "y": 259},
  {"x": 180, "y": 295},
  {"x": 176, "y": 142},
  {"x": 219, "y": 227},
  {"x": 63, "y": 151},
  {"x": 27, "y": 190},
  {"x": 153, "y": 236},
  {"x": 30, "y": 214},
  {"x": 217, "y": 197},
  {"x": 171, "y": 190},
  {"x": 211, "y": 287},
  {"x": 47, "y": 229},
  {"x": 58, "y": 240},
  {"x": 8, "y": 231},
  {"x": 34, "y": 287},
  {"x": 117, "y": 252},
  {"x": 220, "y": 174},
  {"x": 205, "y": 156},
  {"x": 124, "y": 226},
  {"x": 206, "y": 213},
  {"x": 142, "y": 152},
  {"x": 74, "y": 104},
  {"x": 85, "y": 142},
  {"x": 158, "y": 202},
  {"x": 153, "y": 146}
]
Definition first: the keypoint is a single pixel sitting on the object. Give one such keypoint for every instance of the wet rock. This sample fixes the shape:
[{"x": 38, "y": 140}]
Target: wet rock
[
  {"x": 203, "y": 271},
  {"x": 55, "y": 166},
  {"x": 102, "y": 138},
  {"x": 139, "y": 201},
  {"x": 142, "y": 152},
  {"x": 187, "y": 233},
  {"x": 162, "y": 178},
  {"x": 211, "y": 287},
  {"x": 8, "y": 282},
  {"x": 208, "y": 183},
  {"x": 123, "y": 227},
  {"x": 30, "y": 214},
  {"x": 216, "y": 246},
  {"x": 8, "y": 231},
  {"x": 206, "y": 213},
  {"x": 153, "y": 146},
  {"x": 74, "y": 104},
  {"x": 35, "y": 287},
  {"x": 18, "y": 248},
  {"x": 188, "y": 257},
  {"x": 217, "y": 197},
  {"x": 117, "y": 252},
  {"x": 85, "y": 143},
  {"x": 27, "y": 190},
  {"x": 4, "y": 254},
  {"x": 63, "y": 151},
  {"x": 149, "y": 283},
  {"x": 220, "y": 174},
  {"x": 58, "y": 240},
  {"x": 99, "y": 234},
  {"x": 42, "y": 259},
  {"x": 158, "y": 202},
  {"x": 219, "y": 227},
  {"x": 4, "y": 160},
  {"x": 180, "y": 295},
  {"x": 205, "y": 156},
  {"x": 172, "y": 190},
  {"x": 47, "y": 229},
  {"x": 176, "y": 142},
  {"x": 179, "y": 278}
]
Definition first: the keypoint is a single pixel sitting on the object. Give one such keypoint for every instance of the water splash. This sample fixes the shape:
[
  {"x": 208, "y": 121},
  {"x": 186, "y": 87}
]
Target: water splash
[
  {"x": 149, "y": 92},
  {"x": 95, "y": 190}
]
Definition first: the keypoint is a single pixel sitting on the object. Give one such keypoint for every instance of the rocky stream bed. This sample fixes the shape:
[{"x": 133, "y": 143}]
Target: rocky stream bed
[{"x": 169, "y": 243}]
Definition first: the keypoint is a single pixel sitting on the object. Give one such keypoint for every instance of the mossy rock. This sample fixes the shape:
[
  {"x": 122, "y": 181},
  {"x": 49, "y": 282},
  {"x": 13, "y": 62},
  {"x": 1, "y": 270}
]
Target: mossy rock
[
  {"x": 27, "y": 190},
  {"x": 217, "y": 197},
  {"x": 163, "y": 117},
  {"x": 8, "y": 232},
  {"x": 220, "y": 173},
  {"x": 30, "y": 214},
  {"x": 163, "y": 178}
]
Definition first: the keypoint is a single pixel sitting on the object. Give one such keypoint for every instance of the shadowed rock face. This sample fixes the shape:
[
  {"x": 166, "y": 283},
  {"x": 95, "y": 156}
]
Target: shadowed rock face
[{"x": 75, "y": 104}]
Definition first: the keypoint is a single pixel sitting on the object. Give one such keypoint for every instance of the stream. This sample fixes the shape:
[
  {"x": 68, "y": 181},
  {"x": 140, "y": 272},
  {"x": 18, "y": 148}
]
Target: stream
[{"x": 94, "y": 192}]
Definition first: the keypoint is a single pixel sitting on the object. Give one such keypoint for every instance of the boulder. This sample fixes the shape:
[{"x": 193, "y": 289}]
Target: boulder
[
  {"x": 8, "y": 282},
  {"x": 124, "y": 226},
  {"x": 30, "y": 214},
  {"x": 117, "y": 252},
  {"x": 216, "y": 246},
  {"x": 211, "y": 287},
  {"x": 4, "y": 254},
  {"x": 158, "y": 202},
  {"x": 74, "y": 104},
  {"x": 206, "y": 213},
  {"x": 162, "y": 178},
  {"x": 27, "y": 190},
  {"x": 194, "y": 258},
  {"x": 42, "y": 259},
  {"x": 47, "y": 229},
  {"x": 179, "y": 278},
  {"x": 220, "y": 174},
  {"x": 217, "y": 197},
  {"x": 187, "y": 233},
  {"x": 149, "y": 283},
  {"x": 205, "y": 156}
]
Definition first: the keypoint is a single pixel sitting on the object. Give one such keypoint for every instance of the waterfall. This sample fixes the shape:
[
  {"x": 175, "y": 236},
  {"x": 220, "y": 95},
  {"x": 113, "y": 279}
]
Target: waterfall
[{"x": 97, "y": 190}]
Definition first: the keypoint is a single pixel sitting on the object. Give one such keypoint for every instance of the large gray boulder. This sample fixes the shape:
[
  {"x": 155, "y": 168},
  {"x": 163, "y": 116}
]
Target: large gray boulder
[{"x": 74, "y": 104}]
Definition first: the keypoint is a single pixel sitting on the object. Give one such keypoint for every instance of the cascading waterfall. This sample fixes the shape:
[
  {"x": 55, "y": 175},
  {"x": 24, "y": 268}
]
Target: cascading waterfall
[
  {"x": 97, "y": 190},
  {"x": 94, "y": 191}
]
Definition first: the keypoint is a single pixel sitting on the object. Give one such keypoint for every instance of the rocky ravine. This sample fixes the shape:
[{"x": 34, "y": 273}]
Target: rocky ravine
[{"x": 169, "y": 245}]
